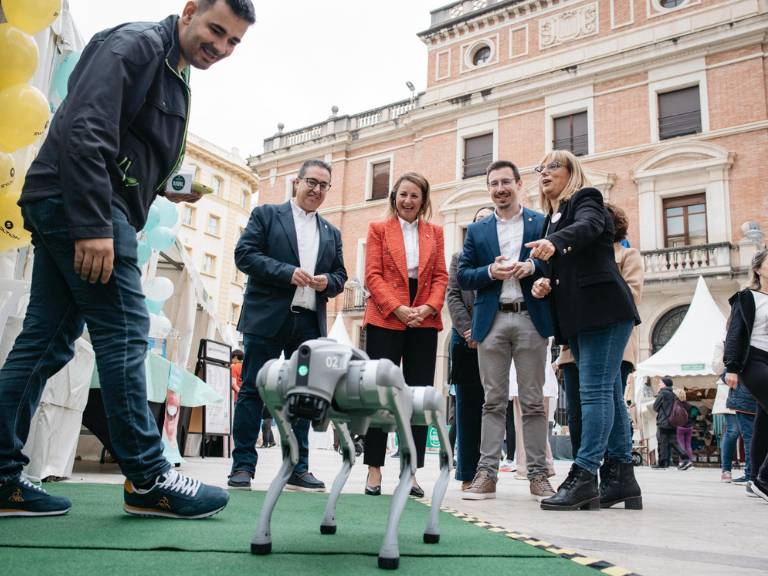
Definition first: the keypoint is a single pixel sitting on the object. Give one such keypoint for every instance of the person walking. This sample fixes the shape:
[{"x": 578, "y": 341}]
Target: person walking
[
  {"x": 666, "y": 431},
  {"x": 746, "y": 356},
  {"x": 114, "y": 142}
]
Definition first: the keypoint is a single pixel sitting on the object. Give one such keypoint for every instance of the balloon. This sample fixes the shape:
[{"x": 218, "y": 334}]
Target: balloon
[
  {"x": 31, "y": 15},
  {"x": 63, "y": 71},
  {"x": 160, "y": 238},
  {"x": 153, "y": 218},
  {"x": 7, "y": 172},
  {"x": 159, "y": 289},
  {"x": 12, "y": 232},
  {"x": 143, "y": 252},
  {"x": 167, "y": 211},
  {"x": 18, "y": 56},
  {"x": 159, "y": 326},
  {"x": 154, "y": 307},
  {"x": 24, "y": 116}
]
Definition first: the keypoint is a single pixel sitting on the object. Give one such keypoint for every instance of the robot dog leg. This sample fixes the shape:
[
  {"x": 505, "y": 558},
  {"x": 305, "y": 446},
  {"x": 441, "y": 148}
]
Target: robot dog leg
[
  {"x": 428, "y": 411},
  {"x": 328, "y": 525},
  {"x": 261, "y": 543}
]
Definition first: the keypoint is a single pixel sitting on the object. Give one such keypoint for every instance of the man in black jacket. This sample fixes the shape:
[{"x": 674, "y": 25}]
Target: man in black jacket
[
  {"x": 113, "y": 144},
  {"x": 666, "y": 433}
]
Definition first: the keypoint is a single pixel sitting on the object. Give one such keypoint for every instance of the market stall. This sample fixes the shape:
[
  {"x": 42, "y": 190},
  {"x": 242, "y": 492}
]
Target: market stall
[{"x": 687, "y": 358}]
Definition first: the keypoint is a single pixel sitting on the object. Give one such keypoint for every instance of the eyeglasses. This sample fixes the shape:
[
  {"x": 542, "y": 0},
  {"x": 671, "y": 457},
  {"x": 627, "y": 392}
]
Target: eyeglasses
[
  {"x": 501, "y": 183},
  {"x": 551, "y": 167},
  {"x": 312, "y": 183}
]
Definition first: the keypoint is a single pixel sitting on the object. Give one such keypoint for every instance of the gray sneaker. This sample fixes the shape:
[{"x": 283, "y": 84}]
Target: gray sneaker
[
  {"x": 304, "y": 482},
  {"x": 483, "y": 487},
  {"x": 541, "y": 488}
]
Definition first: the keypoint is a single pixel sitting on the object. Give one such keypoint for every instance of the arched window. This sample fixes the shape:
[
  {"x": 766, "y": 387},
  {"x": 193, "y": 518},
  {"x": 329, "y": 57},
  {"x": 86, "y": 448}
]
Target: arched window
[{"x": 666, "y": 327}]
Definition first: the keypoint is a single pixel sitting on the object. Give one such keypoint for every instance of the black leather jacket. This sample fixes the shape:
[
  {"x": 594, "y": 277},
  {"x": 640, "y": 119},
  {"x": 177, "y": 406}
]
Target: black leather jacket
[
  {"x": 121, "y": 131},
  {"x": 736, "y": 351}
]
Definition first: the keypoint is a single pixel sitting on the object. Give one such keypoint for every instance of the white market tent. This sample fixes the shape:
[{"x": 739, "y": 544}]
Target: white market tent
[{"x": 689, "y": 352}]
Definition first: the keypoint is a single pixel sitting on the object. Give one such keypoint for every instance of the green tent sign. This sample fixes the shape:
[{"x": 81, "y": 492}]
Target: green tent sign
[{"x": 692, "y": 367}]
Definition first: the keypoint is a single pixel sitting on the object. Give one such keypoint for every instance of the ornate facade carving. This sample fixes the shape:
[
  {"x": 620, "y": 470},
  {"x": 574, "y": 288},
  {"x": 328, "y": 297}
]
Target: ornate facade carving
[{"x": 568, "y": 25}]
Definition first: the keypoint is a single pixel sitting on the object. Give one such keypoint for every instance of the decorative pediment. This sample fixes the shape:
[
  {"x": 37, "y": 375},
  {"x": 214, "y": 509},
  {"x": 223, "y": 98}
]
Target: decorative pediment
[{"x": 682, "y": 157}]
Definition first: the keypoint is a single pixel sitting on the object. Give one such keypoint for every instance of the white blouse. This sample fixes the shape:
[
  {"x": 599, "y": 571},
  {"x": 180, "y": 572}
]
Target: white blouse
[
  {"x": 760, "y": 326},
  {"x": 411, "y": 240}
]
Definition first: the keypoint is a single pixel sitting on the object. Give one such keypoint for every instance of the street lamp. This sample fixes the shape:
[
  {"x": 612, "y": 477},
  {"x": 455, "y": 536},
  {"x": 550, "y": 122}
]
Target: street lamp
[{"x": 412, "y": 88}]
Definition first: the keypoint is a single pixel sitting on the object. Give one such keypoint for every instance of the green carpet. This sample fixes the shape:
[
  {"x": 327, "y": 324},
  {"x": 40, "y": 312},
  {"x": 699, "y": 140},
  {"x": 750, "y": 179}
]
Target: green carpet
[{"x": 98, "y": 534}]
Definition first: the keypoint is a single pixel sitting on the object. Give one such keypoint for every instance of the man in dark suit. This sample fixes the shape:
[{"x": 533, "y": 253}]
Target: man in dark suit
[
  {"x": 294, "y": 263},
  {"x": 508, "y": 323}
]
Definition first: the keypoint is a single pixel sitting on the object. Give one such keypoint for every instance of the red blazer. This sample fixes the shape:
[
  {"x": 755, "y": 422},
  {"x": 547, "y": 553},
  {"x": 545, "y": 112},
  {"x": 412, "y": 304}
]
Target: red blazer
[{"x": 386, "y": 273}]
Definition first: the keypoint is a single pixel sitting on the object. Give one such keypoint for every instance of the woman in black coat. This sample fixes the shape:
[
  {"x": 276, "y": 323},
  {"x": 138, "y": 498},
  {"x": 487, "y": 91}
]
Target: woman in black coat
[
  {"x": 746, "y": 355},
  {"x": 593, "y": 313}
]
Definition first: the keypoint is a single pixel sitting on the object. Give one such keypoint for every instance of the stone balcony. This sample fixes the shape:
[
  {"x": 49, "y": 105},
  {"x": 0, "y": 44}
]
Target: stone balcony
[
  {"x": 690, "y": 261},
  {"x": 354, "y": 298},
  {"x": 337, "y": 126}
]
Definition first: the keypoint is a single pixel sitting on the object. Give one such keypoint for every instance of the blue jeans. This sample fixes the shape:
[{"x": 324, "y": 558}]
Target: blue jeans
[
  {"x": 747, "y": 426},
  {"x": 728, "y": 445},
  {"x": 118, "y": 323},
  {"x": 297, "y": 329},
  {"x": 469, "y": 415},
  {"x": 604, "y": 416}
]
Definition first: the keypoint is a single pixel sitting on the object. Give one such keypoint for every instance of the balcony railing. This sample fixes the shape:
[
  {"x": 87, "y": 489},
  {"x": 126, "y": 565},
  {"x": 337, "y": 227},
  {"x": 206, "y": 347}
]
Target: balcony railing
[
  {"x": 340, "y": 124},
  {"x": 354, "y": 298},
  {"x": 688, "y": 261}
]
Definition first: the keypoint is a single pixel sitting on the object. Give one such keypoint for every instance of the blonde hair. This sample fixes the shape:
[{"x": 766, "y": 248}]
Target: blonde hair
[
  {"x": 680, "y": 393},
  {"x": 576, "y": 182},
  {"x": 422, "y": 184},
  {"x": 757, "y": 262}
]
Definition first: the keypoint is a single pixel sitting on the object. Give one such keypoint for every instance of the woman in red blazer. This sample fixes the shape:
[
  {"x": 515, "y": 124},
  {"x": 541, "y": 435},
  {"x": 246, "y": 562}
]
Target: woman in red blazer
[{"x": 406, "y": 276}]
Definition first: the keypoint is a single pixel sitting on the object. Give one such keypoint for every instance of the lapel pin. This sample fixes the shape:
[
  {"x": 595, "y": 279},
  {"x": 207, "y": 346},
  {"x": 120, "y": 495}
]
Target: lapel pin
[
  {"x": 530, "y": 219},
  {"x": 556, "y": 217}
]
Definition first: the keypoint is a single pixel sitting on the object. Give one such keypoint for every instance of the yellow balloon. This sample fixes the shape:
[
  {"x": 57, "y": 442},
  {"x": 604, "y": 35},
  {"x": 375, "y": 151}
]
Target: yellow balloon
[
  {"x": 7, "y": 172},
  {"x": 24, "y": 116},
  {"x": 31, "y": 15},
  {"x": 18, "y": 56},
  {"x": 12, "y": 232}
]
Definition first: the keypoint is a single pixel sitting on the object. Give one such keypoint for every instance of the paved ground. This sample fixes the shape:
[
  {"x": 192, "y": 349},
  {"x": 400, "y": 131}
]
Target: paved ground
[{"x": 691, "y": 524}]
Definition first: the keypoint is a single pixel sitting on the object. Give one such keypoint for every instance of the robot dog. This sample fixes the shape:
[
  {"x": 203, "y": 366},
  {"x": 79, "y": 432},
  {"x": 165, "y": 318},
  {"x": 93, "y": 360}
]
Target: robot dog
[{"x": 325, "y": 381}]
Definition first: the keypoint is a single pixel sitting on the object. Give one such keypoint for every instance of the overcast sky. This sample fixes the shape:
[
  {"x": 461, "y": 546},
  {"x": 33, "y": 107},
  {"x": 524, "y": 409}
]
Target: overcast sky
[{"x": 301, "y": 58}]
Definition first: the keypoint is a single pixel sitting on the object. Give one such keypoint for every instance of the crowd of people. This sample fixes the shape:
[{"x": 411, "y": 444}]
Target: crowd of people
[{"x": 521, "y": 278}]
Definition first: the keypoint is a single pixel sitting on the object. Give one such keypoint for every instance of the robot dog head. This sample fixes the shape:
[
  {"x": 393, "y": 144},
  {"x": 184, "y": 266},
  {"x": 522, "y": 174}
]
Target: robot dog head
[{"x": 308, "y": 380}]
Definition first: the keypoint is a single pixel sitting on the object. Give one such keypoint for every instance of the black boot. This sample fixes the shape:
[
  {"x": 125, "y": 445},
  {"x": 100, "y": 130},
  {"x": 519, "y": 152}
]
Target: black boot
[
  {"x": 579, "y": 491},
  {"x": 618, "y": 484}
]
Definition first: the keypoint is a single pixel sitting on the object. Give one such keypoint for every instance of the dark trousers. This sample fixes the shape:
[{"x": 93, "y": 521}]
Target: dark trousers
[
  {"x": 573, "y": 399},
  {"x": 465, "y": 374},
  {"x": 510, "y": 432},
  {"x": 667, "y": 439},
  {"x": 60, "y": 304},
  {"x": 755, "y": 375},
  {"x": 297, "y": 329},
  {"x": 416, "y": 349}
]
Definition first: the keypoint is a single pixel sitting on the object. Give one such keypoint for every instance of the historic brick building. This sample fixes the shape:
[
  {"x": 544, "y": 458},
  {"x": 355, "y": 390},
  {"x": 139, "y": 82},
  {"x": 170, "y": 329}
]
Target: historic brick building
[{"x": 665, "y": 100}]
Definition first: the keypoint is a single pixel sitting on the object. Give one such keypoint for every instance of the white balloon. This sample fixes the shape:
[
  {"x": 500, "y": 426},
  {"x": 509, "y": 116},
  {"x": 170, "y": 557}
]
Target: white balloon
[
  {"x": 159, "y": 289},
  {"x": 159, "y": 326}
]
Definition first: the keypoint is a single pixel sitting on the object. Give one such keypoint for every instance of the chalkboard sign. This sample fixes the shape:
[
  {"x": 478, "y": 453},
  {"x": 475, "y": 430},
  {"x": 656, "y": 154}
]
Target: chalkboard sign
[{"x": 213, "y": 366}]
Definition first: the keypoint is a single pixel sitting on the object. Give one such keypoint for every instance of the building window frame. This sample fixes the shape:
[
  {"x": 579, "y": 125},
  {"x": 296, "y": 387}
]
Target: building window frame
[
  {"x": 476, "y": 169},
  {"x": 472, "y": 126},
  {"x": 565, "y": 104},
  {"x": 571, "y": 140},
  {"x": 207, "y": 256},
  {"x": 676, "y": 78},
  {"x": 245, "y": 199},
  {"x": 660, "y": 96},
  {"x": 289, "y": 178},
  {"x": 684, "y": 201},
  {"x": 470, "y": 50},
  {"x": 217, "y": 183},
  {"x": 192, "y": 211},
  {"x": 217, "y": 232},
  {"x": 369, "y": 175}
]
